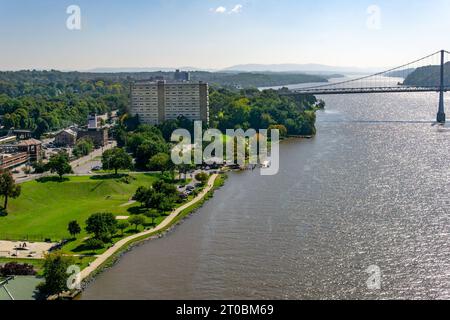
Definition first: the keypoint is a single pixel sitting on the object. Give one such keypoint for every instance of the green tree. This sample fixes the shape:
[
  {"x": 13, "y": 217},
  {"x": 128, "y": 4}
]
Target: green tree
[
  {"x": 8, "y": 188},
  {"x": 142, "y": 195},
  {"x": 102, "y": 225},
  {"x": 165, "y": 188},
  {"x": 83, "y": 147},
  {"x": 152, "y": 214},
  {"x": 122, "y": 226},
  {"x": 60, "y": 164},
  {"x": 160, "y": 162},
  {"x": 147, "y": 150},
  {"x": 55, "y": 274},
  {"x": 136, "y": 221},
  {"x": 281, "y": 128},
  {"x": 74, "y": 228},
  {"x": 160, "y": 202},
  {"x": 39, "y": 167},
  {"x": 116, "y": 159},
  {"x": 203, "y": 177}
]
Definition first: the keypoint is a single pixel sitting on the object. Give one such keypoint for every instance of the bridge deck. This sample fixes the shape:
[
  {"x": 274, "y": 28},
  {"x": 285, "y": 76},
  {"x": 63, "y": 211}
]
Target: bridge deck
[{"x": 324, "y": 91}]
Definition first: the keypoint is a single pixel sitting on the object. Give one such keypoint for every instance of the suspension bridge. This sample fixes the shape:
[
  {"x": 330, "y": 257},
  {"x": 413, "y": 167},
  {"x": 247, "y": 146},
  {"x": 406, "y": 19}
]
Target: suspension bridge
[{"x": 431, "y": 69}]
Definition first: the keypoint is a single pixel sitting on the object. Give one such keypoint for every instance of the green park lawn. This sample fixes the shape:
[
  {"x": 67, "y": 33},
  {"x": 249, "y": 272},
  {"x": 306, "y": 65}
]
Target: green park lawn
[{"x": 45, "y": 208}]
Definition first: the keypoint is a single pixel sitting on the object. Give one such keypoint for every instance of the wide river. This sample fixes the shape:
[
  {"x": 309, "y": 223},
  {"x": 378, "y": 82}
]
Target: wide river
[{"x": 371, "y": 189}]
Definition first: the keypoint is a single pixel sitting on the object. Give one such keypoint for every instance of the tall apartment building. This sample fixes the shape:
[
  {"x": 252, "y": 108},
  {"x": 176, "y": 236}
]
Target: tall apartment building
[{"x": 156, "y": 102}]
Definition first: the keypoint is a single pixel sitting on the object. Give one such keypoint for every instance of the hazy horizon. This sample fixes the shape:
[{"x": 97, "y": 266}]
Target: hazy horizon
[{"x": 218, "y": 34}]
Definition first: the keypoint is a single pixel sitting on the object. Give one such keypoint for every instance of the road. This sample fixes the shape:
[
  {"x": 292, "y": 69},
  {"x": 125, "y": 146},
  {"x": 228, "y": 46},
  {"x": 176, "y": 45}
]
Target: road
[{"x": 82, "y": 166}]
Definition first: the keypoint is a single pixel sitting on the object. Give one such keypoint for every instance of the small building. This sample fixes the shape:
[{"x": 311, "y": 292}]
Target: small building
[
  {"x": 8, "y": 139},
  {"x": 182, "y": 76},
  {"x": 99, "y": 136},
  {"x": 66, "y": 138},
  {"x": 93, "y": 122},
  {"x": 10, "y": 161},
  {"x": 33, "y": 148},
  {"x": 23, "y": 134}
]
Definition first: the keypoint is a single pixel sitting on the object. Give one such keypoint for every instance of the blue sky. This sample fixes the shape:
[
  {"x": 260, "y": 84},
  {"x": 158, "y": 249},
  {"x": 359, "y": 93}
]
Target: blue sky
[{"x": 210, "y": 34}]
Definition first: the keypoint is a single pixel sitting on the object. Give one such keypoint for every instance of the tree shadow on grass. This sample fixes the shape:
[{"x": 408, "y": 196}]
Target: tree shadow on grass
[
  {"x": 108, "y": 176},
  {"x": 52, "y": 179},
  {"x": 137, "y": 210},
  {"x": 88, "y": 251}
]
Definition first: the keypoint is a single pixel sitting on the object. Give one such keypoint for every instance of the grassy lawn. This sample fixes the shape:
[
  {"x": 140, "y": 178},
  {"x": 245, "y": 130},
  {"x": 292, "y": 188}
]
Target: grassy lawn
[{"x": 45, "y": 208}]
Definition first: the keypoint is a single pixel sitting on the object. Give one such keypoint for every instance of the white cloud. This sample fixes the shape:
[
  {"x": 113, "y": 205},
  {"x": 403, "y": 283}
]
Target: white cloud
[
  {"x": 237, "y": 8},
  {"x": 220, "y": 10}
]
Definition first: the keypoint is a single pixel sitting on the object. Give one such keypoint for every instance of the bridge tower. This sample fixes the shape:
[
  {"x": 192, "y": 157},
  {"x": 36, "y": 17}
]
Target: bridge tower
[{"x": 441, "y": 112}]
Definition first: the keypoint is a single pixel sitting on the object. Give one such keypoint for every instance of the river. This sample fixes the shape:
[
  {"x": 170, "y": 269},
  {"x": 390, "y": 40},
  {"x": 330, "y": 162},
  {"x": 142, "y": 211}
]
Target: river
[{"x": 371, "y": 189}]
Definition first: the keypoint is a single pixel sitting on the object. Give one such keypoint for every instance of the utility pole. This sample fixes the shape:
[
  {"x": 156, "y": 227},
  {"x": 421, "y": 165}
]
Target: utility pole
[{"x": 441, "y": 112}]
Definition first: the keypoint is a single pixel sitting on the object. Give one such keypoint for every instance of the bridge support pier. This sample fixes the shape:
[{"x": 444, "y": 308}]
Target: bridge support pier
[
  {"x": 441, "y": 112},
  {"x": 441, "y": 117}
]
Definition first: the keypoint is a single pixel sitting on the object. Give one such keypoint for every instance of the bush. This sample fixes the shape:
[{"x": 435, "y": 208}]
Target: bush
[
  {"x": 39, "y": 167},
  {"x": 16, "y": 269},
  {"x": 83, "y": 147},
  {"x": 203, "y": 177},
  {"x": 94, "y": 244},
  {"x": 127, "y": 179}
]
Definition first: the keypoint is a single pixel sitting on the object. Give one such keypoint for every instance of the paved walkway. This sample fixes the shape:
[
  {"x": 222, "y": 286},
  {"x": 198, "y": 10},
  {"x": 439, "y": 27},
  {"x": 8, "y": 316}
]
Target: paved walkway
[{"x": 111, "y": 251}]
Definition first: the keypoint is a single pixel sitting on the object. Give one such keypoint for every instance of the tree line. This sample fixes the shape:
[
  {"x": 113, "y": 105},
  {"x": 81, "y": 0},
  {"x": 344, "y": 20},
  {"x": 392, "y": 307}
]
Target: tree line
[{"x": 45, "y": 101}]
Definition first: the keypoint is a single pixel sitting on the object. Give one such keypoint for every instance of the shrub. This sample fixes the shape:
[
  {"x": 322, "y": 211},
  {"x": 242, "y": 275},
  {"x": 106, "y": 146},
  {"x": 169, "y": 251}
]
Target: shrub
[
  {"x": 202, "y": 177},
  {"x": 16, "y": 269},
  {"x": 94, "y": 244},
  {"x": 39, "y": 167}
]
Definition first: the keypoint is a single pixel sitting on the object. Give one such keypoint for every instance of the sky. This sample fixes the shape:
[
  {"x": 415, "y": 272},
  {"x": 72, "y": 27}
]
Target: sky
[{"x": 214, "y": 34}]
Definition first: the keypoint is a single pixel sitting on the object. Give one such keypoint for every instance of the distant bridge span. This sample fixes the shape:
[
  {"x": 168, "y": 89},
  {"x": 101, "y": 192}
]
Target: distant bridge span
[
  {"x": 384, "y": 82},
  {"x": 366, "y": 90}
]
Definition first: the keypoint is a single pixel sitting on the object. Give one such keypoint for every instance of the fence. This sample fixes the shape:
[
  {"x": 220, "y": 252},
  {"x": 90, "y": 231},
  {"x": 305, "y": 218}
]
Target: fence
[{"x": 27, "y": 237}]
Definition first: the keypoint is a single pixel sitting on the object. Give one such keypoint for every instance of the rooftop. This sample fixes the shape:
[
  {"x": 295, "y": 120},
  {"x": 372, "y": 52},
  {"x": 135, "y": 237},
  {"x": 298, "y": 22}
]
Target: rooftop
[
  {"x": 30, "y": 142},
  {"x": 69, "y": 131},
  {"x": 168, "y": 82}
]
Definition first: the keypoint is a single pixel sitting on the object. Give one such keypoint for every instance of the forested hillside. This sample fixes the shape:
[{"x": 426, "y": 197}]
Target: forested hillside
[
  {"x": 44, "y": 101},
  {"x": 428, "y": 76}
]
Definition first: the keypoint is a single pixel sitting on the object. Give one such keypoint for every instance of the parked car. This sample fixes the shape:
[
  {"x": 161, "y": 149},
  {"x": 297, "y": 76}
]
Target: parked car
[{"x": 97, "y": 168}]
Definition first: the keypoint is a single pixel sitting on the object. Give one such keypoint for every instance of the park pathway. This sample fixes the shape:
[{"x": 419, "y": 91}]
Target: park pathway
[{"x": 118, "y": 245}]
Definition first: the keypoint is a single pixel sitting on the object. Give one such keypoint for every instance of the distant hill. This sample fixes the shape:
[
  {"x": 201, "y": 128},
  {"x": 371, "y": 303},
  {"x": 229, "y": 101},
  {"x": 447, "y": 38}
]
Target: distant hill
[
  {"x": 139, "y": 70},
  {"x": 428, "y": 76},
  {"x": 401, "y": 73},
  {"x": 308, "y": 68},
  {"x": 229, "y": 80},
  {"x": 249, "y": 79},
  {"x": 311, "y": 68}
]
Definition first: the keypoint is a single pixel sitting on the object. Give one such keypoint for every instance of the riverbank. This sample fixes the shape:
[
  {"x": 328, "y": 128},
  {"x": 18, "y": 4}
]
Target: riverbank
[{"x": 109, "y": 257}]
